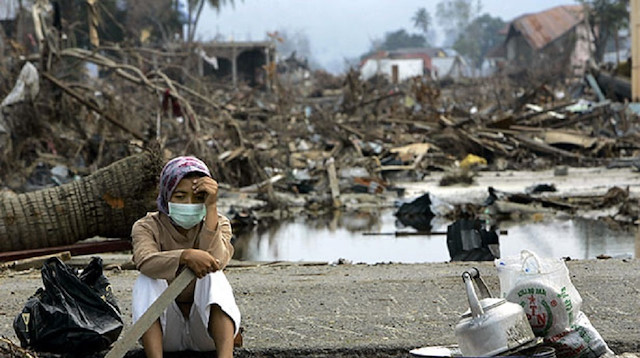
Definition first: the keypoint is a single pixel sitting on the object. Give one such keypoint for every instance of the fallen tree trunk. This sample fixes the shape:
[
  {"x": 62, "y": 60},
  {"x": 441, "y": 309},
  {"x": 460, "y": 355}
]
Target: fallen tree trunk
[{"x": 105, "y": 203}]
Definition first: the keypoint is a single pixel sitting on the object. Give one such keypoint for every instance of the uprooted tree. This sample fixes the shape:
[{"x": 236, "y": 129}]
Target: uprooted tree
[{"x": 105, "y": 203}]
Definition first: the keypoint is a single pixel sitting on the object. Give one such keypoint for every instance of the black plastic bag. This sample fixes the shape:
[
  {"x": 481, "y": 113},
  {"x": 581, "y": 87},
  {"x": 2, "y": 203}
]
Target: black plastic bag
[{"x": 72, "y": 314}]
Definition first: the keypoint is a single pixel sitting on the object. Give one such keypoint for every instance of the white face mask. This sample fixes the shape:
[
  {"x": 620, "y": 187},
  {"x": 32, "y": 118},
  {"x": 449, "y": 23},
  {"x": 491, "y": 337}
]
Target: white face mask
[{"x": 187, "y": 215}]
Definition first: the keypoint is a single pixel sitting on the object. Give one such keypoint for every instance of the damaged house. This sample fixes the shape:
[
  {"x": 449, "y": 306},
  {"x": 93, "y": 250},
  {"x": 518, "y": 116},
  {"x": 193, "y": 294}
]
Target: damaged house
[
  {"x": 237, "y": 61},
  {"x": 397, "y": 65},
  {"x": 552, "y": 38},
  {"x": 447, "y": 63}
]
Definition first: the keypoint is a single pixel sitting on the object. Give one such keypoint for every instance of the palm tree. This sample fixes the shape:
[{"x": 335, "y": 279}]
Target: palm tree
[
  {"x": 197, "y": 6},
  {"x": 106, "y": 203},
  {"x": 422, "y": 20}
]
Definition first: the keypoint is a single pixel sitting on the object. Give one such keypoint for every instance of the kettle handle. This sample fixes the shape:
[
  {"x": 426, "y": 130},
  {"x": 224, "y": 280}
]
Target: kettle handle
[
  {"x": 469, "y": 277},
  {"x": 474, "y": 304},
  {"x": 483, "y": 290}
]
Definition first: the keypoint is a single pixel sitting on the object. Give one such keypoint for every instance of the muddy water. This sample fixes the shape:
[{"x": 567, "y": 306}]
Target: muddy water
[{"x": 341, "y": 236}]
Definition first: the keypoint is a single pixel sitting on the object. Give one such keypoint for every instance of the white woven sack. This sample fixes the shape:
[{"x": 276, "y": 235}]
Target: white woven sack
[
  {"x": 543, "y": 288},
  {"x": 581, "y": 340}
]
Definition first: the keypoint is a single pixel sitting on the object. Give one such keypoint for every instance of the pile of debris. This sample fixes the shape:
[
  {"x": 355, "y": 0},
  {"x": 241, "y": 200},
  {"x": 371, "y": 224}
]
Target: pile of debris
[{"x": 67, "y": 112}]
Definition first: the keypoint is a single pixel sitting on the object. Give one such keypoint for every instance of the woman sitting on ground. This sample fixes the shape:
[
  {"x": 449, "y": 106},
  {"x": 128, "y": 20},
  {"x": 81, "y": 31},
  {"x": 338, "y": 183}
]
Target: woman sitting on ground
[{"x": 186, "y": 231}]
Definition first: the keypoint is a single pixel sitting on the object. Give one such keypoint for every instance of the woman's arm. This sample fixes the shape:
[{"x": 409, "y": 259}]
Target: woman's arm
[
  {"x": 147, "y": 253},
  {"x": 215, "y": 236}
]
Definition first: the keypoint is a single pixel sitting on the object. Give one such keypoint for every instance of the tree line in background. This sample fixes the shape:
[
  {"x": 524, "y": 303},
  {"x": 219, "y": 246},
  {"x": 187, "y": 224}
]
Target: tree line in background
[
  {"x": 606, "y": 18},
  {"x": 129, "y": 22},
  {"x": 466, "y": 29},
  {"x": 473, "y": 34}
]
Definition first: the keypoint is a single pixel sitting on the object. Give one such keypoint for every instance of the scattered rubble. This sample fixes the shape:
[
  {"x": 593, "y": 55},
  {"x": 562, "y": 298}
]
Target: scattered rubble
[{"x": 322, "y": 143}]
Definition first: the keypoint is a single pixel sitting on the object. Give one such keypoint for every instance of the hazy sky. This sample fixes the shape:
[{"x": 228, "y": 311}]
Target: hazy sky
[{"x": 337, "y": 29}]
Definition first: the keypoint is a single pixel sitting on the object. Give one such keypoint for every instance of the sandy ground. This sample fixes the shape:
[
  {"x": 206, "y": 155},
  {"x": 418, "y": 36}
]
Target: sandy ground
[
  {"x": 302, "y": 310},
  {"x": 320, "y": 310}
]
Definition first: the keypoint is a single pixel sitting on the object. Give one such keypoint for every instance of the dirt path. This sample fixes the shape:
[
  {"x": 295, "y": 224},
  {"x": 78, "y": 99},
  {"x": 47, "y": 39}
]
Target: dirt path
[{"x": 370, "y": 310}]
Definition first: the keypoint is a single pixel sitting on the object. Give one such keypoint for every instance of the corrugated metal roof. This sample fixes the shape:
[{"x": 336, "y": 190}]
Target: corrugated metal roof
[{"x": 541, "y": 28}]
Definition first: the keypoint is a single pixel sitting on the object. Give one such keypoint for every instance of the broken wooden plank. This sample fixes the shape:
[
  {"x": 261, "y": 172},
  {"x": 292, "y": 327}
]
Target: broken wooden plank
[
  {"x": 539, "y": 110},
  {"x": 412, "y": 149},
  {"x": 254, "y": 188},
  {"x": 545, "y": 148},
  {"x": 563, "y": 137},
  {"x": 577, "y": 119},
  {"x": 476, "y": 140},
  {"x": 85, "y": 248},
  {"x": 130, "y": 338},
  {"x": 506, "y": 207},
  {"x": 333, "y": 183},
  {"x": 502, "y": 123},
  {"x": 413, "y": 166},
  {"x": 356, "y": 145},
  {"x": 34, "y": 262},
  {"x": 526, "y": 129},
  {"x": 446, "y": 121},
  {"x": 231, "y": 154}
]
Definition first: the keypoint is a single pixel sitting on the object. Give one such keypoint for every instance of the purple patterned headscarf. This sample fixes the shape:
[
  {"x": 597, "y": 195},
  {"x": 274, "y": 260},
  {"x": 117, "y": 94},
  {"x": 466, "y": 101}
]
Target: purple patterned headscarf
[{"x": 171, "y": 175}]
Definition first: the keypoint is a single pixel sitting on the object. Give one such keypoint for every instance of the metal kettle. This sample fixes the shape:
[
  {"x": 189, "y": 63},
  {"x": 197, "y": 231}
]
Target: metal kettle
[{"x": 491, "y": 325}]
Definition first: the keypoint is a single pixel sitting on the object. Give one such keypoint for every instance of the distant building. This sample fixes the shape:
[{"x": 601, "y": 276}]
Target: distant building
[
  {"x": 237, "y": 61},
  {"x": 447, "y": 63},
  {"x": 559, "y": 36},
  {"x": 398, "y": 65},
  {"x": 294, "y": 71},
  {"x": 494, "y": 60}
]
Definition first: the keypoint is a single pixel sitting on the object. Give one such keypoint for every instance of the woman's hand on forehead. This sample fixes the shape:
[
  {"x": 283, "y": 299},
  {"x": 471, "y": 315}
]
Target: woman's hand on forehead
[{"x": 208, "y": 186}]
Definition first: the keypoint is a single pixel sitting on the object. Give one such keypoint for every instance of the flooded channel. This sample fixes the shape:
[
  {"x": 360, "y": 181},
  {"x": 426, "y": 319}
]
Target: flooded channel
[{"x": 370, "y": 237}]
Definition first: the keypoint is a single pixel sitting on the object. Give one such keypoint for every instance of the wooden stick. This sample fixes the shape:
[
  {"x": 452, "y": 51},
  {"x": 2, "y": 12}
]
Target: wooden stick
[
  {"x": 254, "y": 188},
  {"x": 403, "y": 233},
  {"x": 416, "y": 233},
  {"x": 83, "y": 248},
  {"x": 92, "y": 106},
  {"x": 122, "y": 345},
  {"x": 333, "y": 183},
  {"x": 34, "y": 262}
]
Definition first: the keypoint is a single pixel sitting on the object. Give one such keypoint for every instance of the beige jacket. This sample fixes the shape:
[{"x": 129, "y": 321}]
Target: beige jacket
[{"x": 157, "y": 245}]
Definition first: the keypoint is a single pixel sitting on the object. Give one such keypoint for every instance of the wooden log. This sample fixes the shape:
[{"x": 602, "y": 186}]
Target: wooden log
[
  {"x": 85, "y": 248},
  {"x": 105, "y": 203},
  {"x": 34, "y": 262}
]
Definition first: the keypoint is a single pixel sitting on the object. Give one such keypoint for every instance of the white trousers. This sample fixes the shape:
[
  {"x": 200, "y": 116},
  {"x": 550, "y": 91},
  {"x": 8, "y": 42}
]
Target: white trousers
[{"x": 180, "y": 334}]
